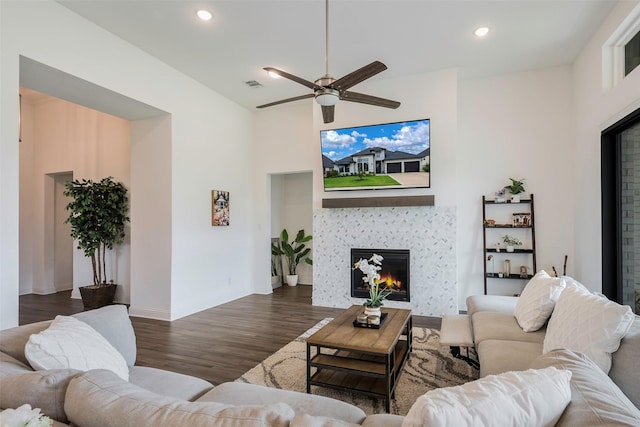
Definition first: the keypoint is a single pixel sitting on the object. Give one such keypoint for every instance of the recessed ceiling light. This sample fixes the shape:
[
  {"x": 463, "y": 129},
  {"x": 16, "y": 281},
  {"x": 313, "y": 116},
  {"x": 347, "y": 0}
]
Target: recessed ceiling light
[
  {"x": 481, "y": 32},
  {"x": 204, "y": 15}
]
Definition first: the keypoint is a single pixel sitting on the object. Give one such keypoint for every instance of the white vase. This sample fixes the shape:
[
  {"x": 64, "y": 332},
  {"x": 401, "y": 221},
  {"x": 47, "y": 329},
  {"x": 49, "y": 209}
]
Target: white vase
[
  {"x": 292, "y": 279},
  {"x": 372, "y": 311},
  {"x": 510, "y": 248},
  {"x": 515, "y": 198}
]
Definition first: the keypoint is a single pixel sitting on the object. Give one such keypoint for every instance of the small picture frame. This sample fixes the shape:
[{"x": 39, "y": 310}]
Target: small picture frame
[
  {"x": 521, "y": 219},
  {"x": 219, "y": 208},
  {"x": 523, "y": 272}
]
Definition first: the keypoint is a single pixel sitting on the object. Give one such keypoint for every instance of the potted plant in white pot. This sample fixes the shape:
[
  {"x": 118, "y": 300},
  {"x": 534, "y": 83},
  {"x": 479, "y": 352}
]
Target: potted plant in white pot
[
  {"x": 371, "y": 276},
  {"x": 295, "y": 252},
  {"x": 511, "y": 241},
  {"x": 516, "y": 187},
  {"x": 98, "y": 214}
]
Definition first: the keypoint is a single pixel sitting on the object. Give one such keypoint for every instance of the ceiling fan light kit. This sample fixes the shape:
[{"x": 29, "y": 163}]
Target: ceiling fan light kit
[{"x": 327, "y": 91}]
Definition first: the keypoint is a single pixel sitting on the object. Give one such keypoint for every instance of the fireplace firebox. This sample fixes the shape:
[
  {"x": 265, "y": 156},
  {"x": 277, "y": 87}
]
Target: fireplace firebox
[{"x": 394, "y": 272}]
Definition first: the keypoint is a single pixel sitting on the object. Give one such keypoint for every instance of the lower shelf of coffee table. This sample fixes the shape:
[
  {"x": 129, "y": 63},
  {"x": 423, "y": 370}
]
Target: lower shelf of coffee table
[{"x": 357, "y": 371}]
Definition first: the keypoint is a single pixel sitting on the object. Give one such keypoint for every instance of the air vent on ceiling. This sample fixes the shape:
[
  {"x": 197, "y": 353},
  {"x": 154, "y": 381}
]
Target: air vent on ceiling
[{"x": 253, "y": 84}]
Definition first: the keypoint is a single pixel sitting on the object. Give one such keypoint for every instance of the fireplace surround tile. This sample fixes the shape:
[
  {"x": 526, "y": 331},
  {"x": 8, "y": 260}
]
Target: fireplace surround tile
[{"x": 428, "y": 232}]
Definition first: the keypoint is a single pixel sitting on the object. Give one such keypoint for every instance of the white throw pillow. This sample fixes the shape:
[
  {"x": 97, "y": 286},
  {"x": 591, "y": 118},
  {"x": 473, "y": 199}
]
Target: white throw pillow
[
  {"x": 71, "y": 343},
  {"x": 519, "y": 398},
  {"x": 589, "y": 324},
  {"x": 537, "y": 301}
]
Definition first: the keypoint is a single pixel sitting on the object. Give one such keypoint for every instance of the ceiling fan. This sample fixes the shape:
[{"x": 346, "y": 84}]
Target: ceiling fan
[{"x": 327, "y": 91}]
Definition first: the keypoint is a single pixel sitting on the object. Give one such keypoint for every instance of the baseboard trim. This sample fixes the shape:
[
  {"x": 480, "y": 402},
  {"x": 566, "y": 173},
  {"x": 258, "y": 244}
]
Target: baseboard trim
[{"x": 149, "y": 314}]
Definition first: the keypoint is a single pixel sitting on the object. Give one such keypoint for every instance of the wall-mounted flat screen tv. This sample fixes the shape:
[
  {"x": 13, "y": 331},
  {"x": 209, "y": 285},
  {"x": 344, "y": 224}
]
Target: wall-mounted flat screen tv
[{"x": 382, "y": 156}]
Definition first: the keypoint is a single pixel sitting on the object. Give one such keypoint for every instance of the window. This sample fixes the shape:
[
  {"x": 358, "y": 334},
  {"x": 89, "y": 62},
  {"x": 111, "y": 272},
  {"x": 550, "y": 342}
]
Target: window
[
  {"x": 632, "y": 54},
  {"x": 363, "y": 165}
]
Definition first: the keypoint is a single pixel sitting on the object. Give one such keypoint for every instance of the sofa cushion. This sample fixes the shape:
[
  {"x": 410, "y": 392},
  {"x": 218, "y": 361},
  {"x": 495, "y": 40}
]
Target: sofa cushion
[
  {"x": 10, "y": 366},
  {"x": 501, "y": 326},
  {"x": 587, "y": 323},
  {"x": 383, "y": 420},
  {"x": 537, "y": 300},
  {"x": 168, "y": 383},
  {"x": 250, "y": 394},
  {"x": 114, "y": 324},
  {"x": 306, "y": 420},
  {"x": 595, "y": 399},
  {"x": 41, "y": 389},
  {"x": 71, "y": 343},
  {"x": 495, "y": 303},
  {"x": 498, "y": 356},
  {"x": 528, "y": 398},
  {"x": 121, "y": 404},
  {"x": 13, "y": 340},
  {"x": 625, "y": 362}
]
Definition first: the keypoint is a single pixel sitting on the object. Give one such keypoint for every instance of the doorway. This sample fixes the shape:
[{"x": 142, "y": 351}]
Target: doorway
[
  {"x": 292, "y": 208},
  {"x": 620, "y": 213},
  {"x": 62, "y": 241}
]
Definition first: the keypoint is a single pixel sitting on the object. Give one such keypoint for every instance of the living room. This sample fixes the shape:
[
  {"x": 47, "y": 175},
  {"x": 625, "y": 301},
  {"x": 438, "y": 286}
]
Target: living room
[{"x": 543, "y": 125}]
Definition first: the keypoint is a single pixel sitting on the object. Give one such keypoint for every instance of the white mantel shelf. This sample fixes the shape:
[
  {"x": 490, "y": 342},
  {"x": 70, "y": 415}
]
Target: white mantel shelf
[{"x": 378, "y": 202}]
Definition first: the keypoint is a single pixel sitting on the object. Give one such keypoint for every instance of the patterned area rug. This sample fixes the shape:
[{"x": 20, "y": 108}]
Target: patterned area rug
[{"x": 430, "y": 366}]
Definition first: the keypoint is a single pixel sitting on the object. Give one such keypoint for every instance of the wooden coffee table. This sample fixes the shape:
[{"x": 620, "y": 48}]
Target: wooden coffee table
[{"x": 360, "y": 360}]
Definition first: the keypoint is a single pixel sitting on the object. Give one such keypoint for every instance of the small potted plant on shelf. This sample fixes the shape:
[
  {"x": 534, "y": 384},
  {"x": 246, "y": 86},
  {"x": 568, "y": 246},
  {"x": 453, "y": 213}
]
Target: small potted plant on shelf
[
  {"x": 511, "y": 241},
  {"x": 98, "y": 215},
  {"x": 516, "y": 187},
  {"x": 377, "y": 294},
  {"x": 295, "y": 252}
]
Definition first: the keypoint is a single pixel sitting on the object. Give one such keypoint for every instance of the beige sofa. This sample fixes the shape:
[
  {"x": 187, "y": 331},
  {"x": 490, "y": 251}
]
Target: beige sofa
[{"x": 152, "y": 397}]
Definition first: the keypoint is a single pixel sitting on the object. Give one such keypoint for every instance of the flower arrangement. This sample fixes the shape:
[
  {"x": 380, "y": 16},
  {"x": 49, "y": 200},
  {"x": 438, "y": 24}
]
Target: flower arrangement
[
  {"x": 24, "y": 416},
  {"x": 370, "y": 269},
  {"x": 511, "y": 241}
]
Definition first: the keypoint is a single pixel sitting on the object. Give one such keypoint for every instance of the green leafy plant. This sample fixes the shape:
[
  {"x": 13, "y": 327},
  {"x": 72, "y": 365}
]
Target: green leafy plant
[
  {"x": 98, "y": 214},
  {"x": 511, "y": 241},
  {"x": 516, "y": 187},
  {"x": 295, "y": 251}
]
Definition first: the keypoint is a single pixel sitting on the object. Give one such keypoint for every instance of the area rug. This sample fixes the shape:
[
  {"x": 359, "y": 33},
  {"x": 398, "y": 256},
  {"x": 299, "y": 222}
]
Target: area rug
[{"x": 430, "y": 366}]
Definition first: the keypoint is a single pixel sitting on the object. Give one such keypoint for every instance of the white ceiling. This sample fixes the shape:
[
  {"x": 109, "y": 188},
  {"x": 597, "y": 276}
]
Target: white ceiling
[{"x": 410, "y": 37}]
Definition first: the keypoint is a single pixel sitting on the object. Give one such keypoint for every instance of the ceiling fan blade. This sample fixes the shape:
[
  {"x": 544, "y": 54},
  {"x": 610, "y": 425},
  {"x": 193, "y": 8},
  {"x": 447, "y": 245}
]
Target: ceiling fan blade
[
  {"x": 368, "y": 99},
  {"x": 359, "y": 75},
  {"x": 327, "y": 113},
  {"x": 296, "y": 79},
  {"x": 282, "y": 101}
]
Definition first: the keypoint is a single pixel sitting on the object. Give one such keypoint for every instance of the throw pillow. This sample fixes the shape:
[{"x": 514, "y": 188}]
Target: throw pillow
[
  {"x": 537, "y": 301},
  {"x": 71, "y": 343},
  {"x": 516, "y": 398},
  {"x": 589, "y": 324}
]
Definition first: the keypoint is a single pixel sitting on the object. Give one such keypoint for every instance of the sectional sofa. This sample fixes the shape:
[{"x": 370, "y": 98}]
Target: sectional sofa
[{"x": 523, "y": 383}]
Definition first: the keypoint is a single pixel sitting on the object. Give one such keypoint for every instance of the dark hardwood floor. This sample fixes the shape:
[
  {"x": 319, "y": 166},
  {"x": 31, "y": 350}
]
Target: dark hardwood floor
[{"x": 218, "y": 344}]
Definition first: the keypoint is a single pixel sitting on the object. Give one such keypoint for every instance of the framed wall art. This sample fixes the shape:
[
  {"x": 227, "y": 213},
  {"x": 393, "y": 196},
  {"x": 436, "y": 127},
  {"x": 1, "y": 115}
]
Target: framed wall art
[{"x": 219, "y": 208}]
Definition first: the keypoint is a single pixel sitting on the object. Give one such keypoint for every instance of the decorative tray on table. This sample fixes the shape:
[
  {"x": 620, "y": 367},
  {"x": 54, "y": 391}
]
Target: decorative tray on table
[{"x": 370, "y": 325}]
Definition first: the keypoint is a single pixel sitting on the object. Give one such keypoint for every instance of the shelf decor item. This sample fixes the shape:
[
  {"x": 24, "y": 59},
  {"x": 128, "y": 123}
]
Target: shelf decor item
[
  {"x": 377, "y": 294},
  {"x": 511, "y": 241},
  {"x": 516, "y": 187}
]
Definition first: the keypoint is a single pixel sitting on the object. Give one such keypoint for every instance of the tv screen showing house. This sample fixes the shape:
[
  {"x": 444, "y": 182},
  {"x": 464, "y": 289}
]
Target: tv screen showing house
[{"x": 382, "y": 156}]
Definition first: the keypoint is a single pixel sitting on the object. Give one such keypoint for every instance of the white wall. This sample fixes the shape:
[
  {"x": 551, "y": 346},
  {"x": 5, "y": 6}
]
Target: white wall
[
  {"x": 516, "y": 126},
  {"x": 594, "y": 111},
  {"x": 208, "y": 133}
]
